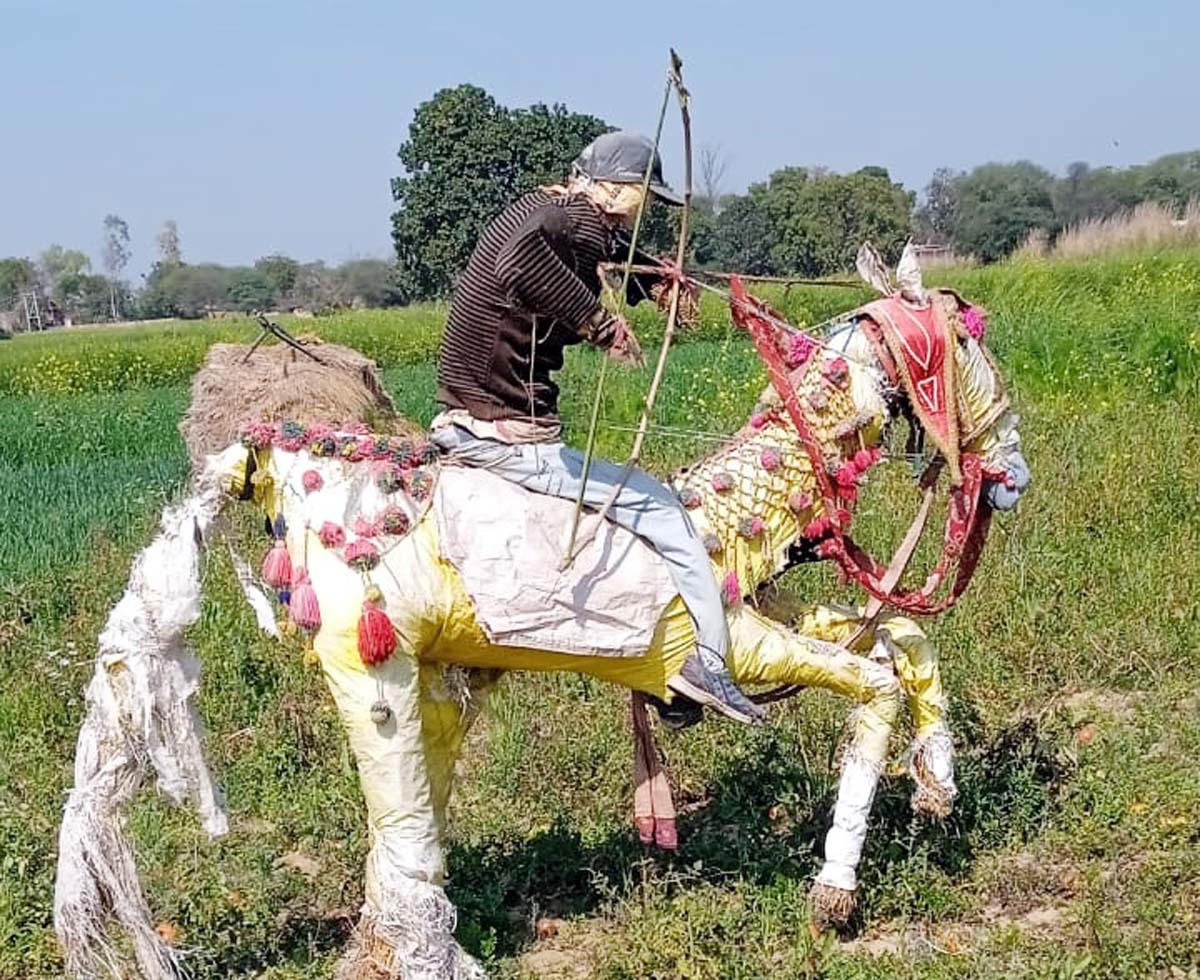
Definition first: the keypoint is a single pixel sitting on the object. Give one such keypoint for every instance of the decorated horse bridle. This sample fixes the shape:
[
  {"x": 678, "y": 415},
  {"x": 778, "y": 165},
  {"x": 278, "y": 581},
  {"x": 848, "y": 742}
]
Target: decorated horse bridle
[{"x": 968, "y": 515}]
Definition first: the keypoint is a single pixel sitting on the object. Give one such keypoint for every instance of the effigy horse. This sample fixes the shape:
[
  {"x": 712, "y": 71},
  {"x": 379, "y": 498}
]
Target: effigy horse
[{"x": 392, "y": 564}]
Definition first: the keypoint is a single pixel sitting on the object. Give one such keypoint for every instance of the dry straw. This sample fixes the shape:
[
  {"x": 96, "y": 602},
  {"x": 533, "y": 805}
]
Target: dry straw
[{"x": 1149, "y": 225}]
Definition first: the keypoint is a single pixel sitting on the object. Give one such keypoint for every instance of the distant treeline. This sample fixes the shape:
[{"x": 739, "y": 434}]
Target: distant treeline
[
  {"x": 65, "y": 289},
  {"x": 466, "y": 156}
]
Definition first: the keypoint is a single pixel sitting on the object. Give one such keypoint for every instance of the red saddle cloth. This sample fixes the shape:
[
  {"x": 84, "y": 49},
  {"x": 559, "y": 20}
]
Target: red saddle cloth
[{"x": 917, "y": 343}]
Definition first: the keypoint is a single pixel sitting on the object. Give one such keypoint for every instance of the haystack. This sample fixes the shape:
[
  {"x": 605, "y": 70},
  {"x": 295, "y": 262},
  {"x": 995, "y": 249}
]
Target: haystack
[{"x": 278, "y": 383}]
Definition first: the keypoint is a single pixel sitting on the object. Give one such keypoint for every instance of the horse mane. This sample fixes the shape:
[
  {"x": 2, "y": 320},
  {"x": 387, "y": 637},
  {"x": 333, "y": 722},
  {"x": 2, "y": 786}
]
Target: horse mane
[{"x": 278, "y": 383}]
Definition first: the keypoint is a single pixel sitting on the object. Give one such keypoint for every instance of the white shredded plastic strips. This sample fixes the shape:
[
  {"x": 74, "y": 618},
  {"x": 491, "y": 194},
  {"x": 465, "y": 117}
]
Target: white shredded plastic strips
[
  {"x": 140, "y": 717},
  {"x": 264, "y": 615}
]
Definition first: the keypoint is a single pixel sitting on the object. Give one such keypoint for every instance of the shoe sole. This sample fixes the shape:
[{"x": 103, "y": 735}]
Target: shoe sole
[{"x": 680, "y": 685}]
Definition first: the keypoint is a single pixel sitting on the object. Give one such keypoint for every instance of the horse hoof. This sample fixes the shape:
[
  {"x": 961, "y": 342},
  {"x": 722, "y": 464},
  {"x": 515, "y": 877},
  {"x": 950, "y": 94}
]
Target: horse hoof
[
  {"x": 832, "y": 908},
  {"x": 932, "y": 769}
]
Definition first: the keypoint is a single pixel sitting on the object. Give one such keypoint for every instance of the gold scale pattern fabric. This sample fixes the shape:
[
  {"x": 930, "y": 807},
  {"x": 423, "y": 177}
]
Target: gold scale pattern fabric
[{"x": 770, "y": 495}]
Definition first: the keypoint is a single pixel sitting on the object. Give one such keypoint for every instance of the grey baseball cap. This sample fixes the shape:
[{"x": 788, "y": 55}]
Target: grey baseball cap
[{"x": 622, "y": 157}]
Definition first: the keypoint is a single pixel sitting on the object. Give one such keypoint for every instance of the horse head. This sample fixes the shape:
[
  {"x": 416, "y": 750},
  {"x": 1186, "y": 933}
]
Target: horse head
[{"x": 788, "y": 482}]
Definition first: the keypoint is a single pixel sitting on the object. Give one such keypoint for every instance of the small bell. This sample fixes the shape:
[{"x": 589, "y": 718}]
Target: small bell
[{"x": 381, "y": 712}]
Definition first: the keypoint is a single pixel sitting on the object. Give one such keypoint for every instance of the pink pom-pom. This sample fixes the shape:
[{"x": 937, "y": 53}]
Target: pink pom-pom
[
  {"x": 835, "y": 371},
  {"x": 277, "y": 566},
  {"x": 691, "y": 499},
  {"x": 304, "y": 608},
  {"x": 313, "y": 481},
  {"x": 751, "y": 527},
  {"x": 376, "y": 635},
  {"x": 332, "y": 535},
  {"x": 364, "y": 528},
  {"x": 722, "y": 481},
  {"x": 361, "y": 554},
  {"x": 731, "y": 589},
  {"x": 974, "y": 322},
  {"x": 846, "y": 476},
  {"x": 757, "y": 420},
  {"x": 800, "y": 348},
  {"x": 770, "y": 459},
  {"x": 393, "y": 520},
  {"x": 799, "y": 502}
]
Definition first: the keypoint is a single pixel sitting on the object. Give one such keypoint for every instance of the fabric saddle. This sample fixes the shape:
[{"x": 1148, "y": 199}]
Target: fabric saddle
[{"x": 507, "y": 543}]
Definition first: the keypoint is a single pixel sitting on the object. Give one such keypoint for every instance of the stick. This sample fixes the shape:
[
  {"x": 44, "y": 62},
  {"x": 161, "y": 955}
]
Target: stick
[
  {"x": 590, "y": 447},
  {"x": 578, "y": 542}
]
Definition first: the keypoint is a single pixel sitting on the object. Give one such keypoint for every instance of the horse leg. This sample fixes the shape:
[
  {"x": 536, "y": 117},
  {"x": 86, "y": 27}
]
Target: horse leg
[
  {"x": 451, "y": 699},
  {"x": 407, "y": 922},
  {"x": 931, "y": 756},
  {"x": 764, "y": 652},
  {"x": 901, "y": 642}
]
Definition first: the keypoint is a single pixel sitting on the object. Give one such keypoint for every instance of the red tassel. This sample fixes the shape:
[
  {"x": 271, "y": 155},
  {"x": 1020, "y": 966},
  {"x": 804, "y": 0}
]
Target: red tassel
[
  {"x": 376, "y": 635},
  {"x": 277, "y": 566},
  {"x": 305, "y": 610}
]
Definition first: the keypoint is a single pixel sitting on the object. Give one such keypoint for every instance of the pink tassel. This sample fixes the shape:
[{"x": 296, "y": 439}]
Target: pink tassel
[
  {"x": 277, "y": 566},
  {"x": 376, "y": 635},
  {"x": 313, "y": 481},
  {"x": 732, "y": 589},
  {"x": 305, "y": 610}
]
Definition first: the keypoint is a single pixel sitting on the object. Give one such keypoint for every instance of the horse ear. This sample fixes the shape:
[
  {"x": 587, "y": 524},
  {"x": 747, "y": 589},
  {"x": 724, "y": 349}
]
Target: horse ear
[
  {"x": 908, "y": 276},
  {"x": 873, "y": 269}
]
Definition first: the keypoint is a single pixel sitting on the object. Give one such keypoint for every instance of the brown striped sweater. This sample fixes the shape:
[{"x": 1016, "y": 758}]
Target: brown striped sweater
[{"x": 534, "y": 267}]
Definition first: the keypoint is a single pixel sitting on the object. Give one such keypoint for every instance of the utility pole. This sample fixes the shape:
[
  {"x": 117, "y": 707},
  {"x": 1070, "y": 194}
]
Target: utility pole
[{"x": 33, "y": 312}]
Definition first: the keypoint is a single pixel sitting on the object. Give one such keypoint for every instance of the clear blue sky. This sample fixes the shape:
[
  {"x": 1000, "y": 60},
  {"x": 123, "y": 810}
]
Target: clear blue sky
[{"x": 273, "y": 126}]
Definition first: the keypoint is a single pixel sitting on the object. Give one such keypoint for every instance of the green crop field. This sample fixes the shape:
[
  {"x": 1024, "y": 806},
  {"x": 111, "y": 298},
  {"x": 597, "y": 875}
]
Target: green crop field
[{"x": 1072, "y": 665}]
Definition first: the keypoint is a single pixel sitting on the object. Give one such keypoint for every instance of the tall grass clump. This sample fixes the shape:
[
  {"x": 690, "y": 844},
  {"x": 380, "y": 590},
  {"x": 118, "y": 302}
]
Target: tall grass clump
[{"x": 1150, "y": 225}]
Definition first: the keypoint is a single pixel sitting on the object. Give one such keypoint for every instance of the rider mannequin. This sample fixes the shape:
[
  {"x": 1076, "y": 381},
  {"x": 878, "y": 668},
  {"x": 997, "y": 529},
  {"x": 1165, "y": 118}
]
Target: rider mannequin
[{"x": 531, "y": 289}]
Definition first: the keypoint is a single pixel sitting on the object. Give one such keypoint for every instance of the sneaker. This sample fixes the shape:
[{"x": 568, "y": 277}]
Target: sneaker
[{"x": 715, "y": 690}]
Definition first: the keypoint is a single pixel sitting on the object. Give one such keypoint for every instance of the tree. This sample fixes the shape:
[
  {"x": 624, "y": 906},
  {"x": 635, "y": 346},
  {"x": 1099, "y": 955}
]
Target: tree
[
  {"x": 60, "y": 271},
  {"x": 465, "y": 158},
  {"x": 743, "y": 236},
  {"x": 712, "y": 172},
  {"x": 116, "y": 255},
  {"x": 169, "y": 252},
  {"x": 319, "y": 288},
  {"x": 17, "y": 276},
  {"x": 998, "y": 205},
  {"x": 934, "y": 219},
  {"x": 280, "y": 271},
  {"x": 371, "y": 282},
  {"x": 249, "y": 291}
]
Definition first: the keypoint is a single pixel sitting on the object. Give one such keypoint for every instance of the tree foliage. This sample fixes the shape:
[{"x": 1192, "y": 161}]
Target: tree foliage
[
  {"x": 465, "y": 158},
  {"x": 805, "y": 222},
  {"x": 169, "y": 250},
  {"x": 997, "y": 205}
]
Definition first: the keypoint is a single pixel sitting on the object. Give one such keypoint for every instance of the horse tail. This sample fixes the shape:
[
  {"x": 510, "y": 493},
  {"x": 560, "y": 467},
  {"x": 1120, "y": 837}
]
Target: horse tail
[{"x": 141, "y": 716}]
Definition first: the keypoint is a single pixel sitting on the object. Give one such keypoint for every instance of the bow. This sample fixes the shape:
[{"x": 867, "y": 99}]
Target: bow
[{"x": 577, "y": 542}]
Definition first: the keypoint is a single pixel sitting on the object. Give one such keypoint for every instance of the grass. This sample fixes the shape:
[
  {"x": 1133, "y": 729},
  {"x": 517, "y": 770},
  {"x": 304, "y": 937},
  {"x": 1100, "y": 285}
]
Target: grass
[{"x": 1075, "y": 850}]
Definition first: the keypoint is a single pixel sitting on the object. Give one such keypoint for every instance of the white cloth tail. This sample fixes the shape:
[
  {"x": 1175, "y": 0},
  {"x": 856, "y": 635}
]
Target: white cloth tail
[{"x": 140, "y": 716}]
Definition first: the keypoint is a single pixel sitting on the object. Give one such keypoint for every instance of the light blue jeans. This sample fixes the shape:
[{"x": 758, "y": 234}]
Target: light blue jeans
[{"x": 643, "y": 506}]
